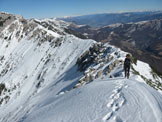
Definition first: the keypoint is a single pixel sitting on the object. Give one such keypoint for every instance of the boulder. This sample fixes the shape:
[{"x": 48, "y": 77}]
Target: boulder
[
  {"x": 99, "y": 73},
  {"x": 109, "y": 68},
  {"x": 104, "y": 60},
  {"x": 97, "y": 60},
  {"x": 58, "y": 42},
  {"x": 84, "y": 54},
  {"x": 111, "y": 58},
  {"x": 87, "y": 77},
  {"x": 116, "y": 62},
  {"x": 92, "y": 77},
  {"x": 101, "y": 65},
  {"x": 82, "y": 79}
]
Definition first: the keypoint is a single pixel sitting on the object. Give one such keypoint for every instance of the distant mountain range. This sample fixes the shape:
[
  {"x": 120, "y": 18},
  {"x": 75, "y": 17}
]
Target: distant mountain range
[
  {"x": 143, "y": 39},
  {"x": 100, "y": 20}
]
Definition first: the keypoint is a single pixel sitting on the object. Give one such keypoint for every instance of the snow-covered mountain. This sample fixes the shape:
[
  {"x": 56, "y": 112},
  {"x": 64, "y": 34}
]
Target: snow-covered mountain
[
  {"x": 48, "y": 75},
  {"x": 142, "y": 39},
  {"x": 104, "y": 19}
]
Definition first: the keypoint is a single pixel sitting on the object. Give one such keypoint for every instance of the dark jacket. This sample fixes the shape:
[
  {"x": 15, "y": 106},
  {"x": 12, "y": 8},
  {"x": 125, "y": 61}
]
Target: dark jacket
[{"x": 127, "y": 62}]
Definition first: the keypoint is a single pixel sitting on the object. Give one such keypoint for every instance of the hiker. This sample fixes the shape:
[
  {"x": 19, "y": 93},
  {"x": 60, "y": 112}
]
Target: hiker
[{"x": 127, "y": 63}]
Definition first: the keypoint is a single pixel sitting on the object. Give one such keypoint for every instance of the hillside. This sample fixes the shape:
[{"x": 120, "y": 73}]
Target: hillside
[
  {"x": 142, "y": 39},
  {"x": 47, "y": 74}
]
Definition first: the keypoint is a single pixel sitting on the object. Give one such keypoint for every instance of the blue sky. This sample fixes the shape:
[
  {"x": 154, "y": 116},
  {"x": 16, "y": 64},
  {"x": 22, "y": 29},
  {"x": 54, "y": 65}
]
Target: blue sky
[{"x": 59, "y": 8}]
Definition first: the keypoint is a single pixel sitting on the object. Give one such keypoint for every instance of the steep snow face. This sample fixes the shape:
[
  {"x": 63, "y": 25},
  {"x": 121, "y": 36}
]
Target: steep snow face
[
  {"x": 145, "y": 70},
  {"x": 46, "y": 75},
  {"x": 35, "y": 54}
]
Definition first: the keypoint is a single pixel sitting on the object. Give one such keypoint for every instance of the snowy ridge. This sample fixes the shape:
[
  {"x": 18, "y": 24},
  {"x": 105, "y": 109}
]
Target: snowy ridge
[
  {"x": 33, "y": 57},
  {"x": 48, "y": 75}
]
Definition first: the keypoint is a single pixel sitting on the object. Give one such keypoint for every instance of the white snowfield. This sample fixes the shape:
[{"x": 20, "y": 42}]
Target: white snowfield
[
  {"x": 112, "y": 100},
  {"x": 39, "y": 81}
]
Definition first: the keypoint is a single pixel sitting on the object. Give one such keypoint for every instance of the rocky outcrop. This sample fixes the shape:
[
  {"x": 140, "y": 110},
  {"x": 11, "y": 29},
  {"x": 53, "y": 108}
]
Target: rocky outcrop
[
  {"x": 15, "y": 27},
  {"x": 89, "y": 57},
  {"x": 96, "y": 62}
]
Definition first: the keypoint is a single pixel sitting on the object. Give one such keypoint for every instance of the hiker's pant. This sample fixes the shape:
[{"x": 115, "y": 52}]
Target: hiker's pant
[{"x": 126, "y": 69}]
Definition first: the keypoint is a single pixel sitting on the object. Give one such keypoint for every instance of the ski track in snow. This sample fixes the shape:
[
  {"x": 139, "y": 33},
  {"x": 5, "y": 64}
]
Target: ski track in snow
[{"x": 116, "y": 101}]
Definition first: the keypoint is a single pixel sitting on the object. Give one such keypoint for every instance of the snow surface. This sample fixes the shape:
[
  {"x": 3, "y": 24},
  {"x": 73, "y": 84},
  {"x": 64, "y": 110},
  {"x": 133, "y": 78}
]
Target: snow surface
[
  {"x": 41, "y": 77},
  {"x": 116, "y": 100}
]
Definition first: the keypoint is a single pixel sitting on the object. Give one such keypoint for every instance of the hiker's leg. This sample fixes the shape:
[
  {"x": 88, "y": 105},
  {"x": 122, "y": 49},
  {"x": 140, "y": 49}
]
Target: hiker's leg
[
  {"x": 125, "y": 70},
  {"x": 128, "y": 70}
]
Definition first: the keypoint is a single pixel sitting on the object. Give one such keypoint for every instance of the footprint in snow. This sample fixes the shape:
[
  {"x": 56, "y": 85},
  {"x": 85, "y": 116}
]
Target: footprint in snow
[
  {"x": 115, "y": 107},
  {"x": 117, "y": 96},
  {"x": 117, "y": 100},
  {"x": 110, "y": 104},
  {"x": 121, "y": 103},
  {"x": 107, "y": 116}
]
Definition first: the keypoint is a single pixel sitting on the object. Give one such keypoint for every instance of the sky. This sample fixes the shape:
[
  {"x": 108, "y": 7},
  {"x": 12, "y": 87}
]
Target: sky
[{"x": 60, "y": 8}]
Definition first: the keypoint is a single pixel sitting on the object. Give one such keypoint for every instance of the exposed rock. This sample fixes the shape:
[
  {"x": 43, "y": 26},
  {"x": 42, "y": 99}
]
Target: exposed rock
[
  {"x": 97, "y": 55},
  {"x": 109, "y": 68},
  {"x": 111, "y": 58},
  {"x": 82, "y": 79},
  {"x": 2, "y": 88},
  {"x": 92, "y": 77},
  {"x": 101, "y": 65},
  {"x": 116, "y": 62},
  {"x": 99, "y": 73},
  {"x": 87, "y": 77}
]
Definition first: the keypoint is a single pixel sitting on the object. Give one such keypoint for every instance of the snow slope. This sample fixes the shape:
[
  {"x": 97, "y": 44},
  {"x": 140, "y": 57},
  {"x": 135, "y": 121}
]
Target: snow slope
[
  {"x": 114, "y": 100},
  {"x": 35, "y": 59},
  {"x": 38, "y": 65}
]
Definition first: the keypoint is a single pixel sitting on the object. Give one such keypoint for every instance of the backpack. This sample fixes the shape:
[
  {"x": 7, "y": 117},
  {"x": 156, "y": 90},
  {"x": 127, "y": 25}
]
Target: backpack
[{"x": 127, "y": 62}]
